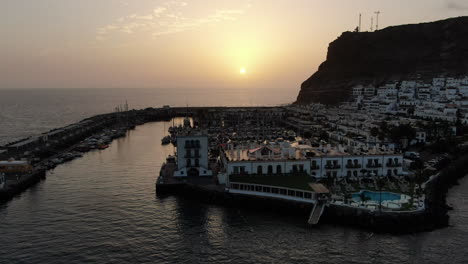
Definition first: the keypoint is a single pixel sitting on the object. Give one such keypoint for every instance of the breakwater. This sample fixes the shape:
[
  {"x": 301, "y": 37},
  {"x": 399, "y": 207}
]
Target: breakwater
[{"x": 48, "y": 149}]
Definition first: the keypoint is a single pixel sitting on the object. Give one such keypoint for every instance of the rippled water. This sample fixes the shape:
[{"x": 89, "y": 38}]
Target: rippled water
[{"x": 102, "y": 208}]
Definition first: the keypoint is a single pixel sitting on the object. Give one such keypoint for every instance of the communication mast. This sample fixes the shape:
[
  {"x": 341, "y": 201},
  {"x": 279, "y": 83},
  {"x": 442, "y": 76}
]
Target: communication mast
[
  {"x": 359, "y": 28},
  {"x": 377, "y": 20}
]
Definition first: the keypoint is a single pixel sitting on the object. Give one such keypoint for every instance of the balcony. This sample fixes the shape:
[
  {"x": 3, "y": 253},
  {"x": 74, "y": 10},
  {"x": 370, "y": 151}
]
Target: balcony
[
  {"x": 189, "y": 145},
  {"x": 353, "y": 166},
  {"x": 314, "y": 167},
  {"x": 393, "y": 165},
  {"x": 192, "y": 156},
  {"x": 374, "y": 165},
  {"x": 332, "y": 166}
]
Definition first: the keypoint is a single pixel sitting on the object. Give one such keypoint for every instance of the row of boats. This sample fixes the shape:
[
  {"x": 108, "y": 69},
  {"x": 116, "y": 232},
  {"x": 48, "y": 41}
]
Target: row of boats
[
  {"x": 174, "y": 130},
  {"x": 99, "y": 142}
]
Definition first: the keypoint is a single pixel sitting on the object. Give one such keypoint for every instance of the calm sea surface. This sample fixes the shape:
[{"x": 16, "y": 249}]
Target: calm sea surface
[
  {"x": 102, "y": 208},
  {"x": 28, "y": 112}
]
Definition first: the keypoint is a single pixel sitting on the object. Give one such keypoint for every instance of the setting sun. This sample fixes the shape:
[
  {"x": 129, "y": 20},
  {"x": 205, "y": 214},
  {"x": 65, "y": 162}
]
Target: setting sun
[{"x": 242, "y": 71}]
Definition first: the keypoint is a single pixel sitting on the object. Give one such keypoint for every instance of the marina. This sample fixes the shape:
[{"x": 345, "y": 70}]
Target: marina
[{"x": 226, "y": 154}]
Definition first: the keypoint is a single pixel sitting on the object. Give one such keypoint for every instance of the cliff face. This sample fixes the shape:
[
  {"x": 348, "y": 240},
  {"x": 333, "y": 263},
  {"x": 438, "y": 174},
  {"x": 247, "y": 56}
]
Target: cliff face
[{"x": 417, "y": 51}]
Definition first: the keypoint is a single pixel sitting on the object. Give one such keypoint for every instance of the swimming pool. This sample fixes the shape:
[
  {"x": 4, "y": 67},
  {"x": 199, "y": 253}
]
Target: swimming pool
[{"x": 375, "y": 196}]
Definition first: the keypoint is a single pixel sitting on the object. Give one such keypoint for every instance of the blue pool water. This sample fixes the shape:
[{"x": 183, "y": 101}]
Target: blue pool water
[{"x": 375, "y": 196}]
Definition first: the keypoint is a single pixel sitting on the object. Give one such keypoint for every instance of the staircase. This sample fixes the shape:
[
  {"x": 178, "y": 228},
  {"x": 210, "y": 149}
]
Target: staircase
[{"x": 316, "y": 213}]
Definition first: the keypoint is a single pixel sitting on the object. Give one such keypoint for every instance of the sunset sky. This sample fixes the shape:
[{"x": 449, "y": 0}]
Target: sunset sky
[{"x": 213, "y": 44}]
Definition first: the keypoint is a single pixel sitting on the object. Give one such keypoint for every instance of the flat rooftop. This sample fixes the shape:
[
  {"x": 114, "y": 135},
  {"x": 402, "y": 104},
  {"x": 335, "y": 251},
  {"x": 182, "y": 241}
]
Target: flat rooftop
[{"x": 294, "y": 151}]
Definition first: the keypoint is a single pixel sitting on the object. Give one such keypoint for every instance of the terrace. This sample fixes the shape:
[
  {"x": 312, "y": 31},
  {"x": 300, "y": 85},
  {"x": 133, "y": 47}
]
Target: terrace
[{"x": 293, "y": 181}]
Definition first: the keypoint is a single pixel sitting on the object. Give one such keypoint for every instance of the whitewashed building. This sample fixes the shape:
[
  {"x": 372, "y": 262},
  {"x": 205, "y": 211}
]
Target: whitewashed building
[
  {"x": 192, "y": 156},
  {"x": 319, "y": 162}
]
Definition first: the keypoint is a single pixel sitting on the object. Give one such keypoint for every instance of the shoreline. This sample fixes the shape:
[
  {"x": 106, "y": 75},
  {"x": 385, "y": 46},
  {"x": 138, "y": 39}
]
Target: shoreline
[{"x": 434, "y": 216}]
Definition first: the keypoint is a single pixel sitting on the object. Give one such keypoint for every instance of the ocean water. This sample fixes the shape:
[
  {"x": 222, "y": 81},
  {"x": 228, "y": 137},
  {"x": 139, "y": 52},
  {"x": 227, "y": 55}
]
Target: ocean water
[
  {"x": 102, "y": 208},
  {"x": 27, "y": 112}
]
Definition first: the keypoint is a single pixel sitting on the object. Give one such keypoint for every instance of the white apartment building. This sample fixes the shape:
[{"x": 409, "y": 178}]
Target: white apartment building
[{"x": 319, "y": 162}]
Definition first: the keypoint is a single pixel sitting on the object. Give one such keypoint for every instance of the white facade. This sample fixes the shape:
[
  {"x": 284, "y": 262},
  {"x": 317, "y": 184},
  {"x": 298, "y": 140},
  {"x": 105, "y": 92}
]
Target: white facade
[
  {"x": 322, "y": 166},
  {"x": 192, "y": 156}
]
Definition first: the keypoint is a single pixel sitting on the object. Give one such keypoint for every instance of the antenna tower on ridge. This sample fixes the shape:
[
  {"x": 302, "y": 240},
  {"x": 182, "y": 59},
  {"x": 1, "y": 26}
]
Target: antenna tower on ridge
[
  {"x": 377, "y": 20},
  {"x": 359, "y": 28}
]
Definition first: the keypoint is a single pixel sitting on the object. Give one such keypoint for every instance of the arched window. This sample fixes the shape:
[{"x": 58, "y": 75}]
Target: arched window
[
  {"x": 395, "y": 171},
  {"x": 259, "y": 169},
  {"x": 270, "y": 169},
  {"x": 278, "y": 169}
]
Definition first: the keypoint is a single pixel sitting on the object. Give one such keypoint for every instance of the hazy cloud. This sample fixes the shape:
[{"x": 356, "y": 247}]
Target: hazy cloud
[
  {"x": 167, "y": 18},
  {"x": 456, "y": 5}
]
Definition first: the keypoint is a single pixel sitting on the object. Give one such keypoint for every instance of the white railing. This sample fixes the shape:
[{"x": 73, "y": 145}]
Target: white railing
[{"x": 272, "y": 191}]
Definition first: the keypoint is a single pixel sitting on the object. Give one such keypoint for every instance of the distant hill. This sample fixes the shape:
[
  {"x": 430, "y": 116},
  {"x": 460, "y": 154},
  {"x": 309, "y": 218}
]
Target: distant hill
[{"x": 419, "y": 51}]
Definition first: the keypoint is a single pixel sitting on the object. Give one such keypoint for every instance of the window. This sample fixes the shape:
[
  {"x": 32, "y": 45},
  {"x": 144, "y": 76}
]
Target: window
[
  {"x": 355, "y": 173},
  {"x": 314, "y": 163},
  {"x": 301, "y": 168},
  {"x": 278, "y": 169},
  {"x": 270, "y": 169},
  {"x": 242, "y": 169},
  {"x": 294, "y": 168},
  {"x": 189, "y": 162},
  {"x": 259, "y": 170},
  {"x": 389, "y": 172},
  {"x": 236, "y": 170},
  {"x": 197, "y": 163},
  {"x": 188, "y": 153},
  {"x": 348, "y": 173},
  {"x": 197, "y": 153}
]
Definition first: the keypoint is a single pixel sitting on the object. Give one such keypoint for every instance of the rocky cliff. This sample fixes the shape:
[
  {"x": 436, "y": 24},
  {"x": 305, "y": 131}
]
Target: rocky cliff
[{"x": 419, "y": 51}]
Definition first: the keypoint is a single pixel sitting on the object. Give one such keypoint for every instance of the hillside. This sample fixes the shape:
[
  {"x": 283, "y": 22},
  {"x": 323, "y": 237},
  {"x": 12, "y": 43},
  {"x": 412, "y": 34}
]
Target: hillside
[{"x": 419, "y": 51}]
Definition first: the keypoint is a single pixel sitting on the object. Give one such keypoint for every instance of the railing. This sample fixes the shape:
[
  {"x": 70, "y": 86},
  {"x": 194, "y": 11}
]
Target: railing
[
  {"x": 272, "y": 191},
  {"x": 188, "y": 156},
  {"x": 187, "y": 146},
  {"x": 332, "y": 166},
  {"x": 353, "y": 166},
  {"x": 314, "y": 167},
  {"x": 374, "y": 165},
  {"x": 393, "y": 165}
]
